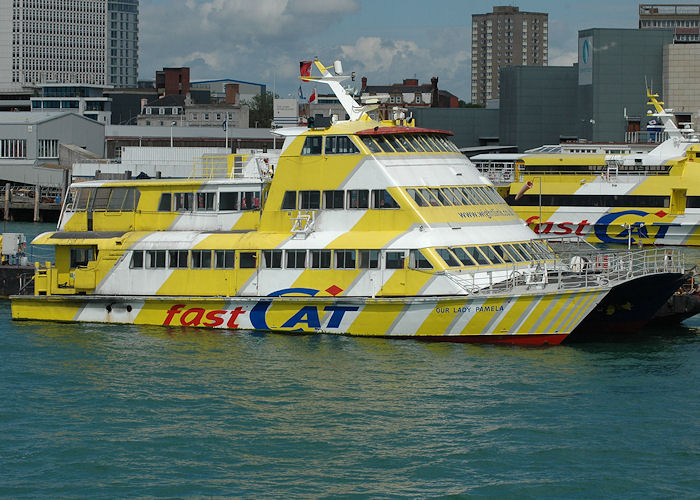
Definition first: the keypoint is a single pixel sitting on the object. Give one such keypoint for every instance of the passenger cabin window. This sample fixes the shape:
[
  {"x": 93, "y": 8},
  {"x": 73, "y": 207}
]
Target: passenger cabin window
[
  {"x": 312, "y": 145},
  {"x": 165, "y": 204},
  {"x": 358, "y": 198},
  {"x": 248, "y": 260},
  {"x": 415, "y": 195},
  {"x": 419, "y": 261},
  {"x": 224, "y": 259},
  {"x": 201, "y": 259},
  {"x": 320, "y": 259},
  {"x": 368, "y": 259},
  {"x": 228, "y": 201},
  {"x": 205, "y": 202},
  {"x": 395, "y": 259},
  {"x": 309, "y": 200},
  {"x": 136, "y": 259},
  {"x": 340, "y": 145},
  {"x": 272, "y": 259},
  {"x": 345, "y": 259},
  {"x": 183, "y": 202},
  {"x": 177, "y": 259},
  {"x": 289, "y": 201},
  {"x": 101, "y": 198},
  {"x": 155, "y": 259},
  {"x": 382, "y": 199},
  {"x": 250, "y": 200},
  {"x": 333, "y": 199},
  {"x": 296, "y": 259}
]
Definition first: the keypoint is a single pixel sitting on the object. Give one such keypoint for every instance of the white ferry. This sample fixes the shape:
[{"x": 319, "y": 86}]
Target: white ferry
[
  {"x": 639, "y": 198},
  {"x": 361, "y": 227}
]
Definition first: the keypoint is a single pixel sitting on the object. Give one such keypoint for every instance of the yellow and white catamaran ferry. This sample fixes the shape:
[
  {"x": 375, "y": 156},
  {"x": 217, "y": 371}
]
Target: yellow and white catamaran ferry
[{"x": 362, "y": 227}]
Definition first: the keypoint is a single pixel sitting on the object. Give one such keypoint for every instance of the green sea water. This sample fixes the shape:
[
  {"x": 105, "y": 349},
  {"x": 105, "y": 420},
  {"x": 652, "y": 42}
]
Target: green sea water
[{"x": 95, "y": 411}]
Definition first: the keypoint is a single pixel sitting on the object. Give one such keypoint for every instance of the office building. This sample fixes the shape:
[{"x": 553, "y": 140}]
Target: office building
[
  {"x": 683, "y": 19},
  {"x": 123, "y": 42},
  {"x": 504, "y": 37},
  {"x": 92, "y": 42}
]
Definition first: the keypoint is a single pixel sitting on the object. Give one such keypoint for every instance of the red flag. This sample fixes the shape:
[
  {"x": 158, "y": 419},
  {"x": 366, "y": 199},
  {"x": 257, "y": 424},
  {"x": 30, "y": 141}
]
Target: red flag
[
  {"x": 305, "y": 69},
  {"x": 312, "y": 97}
]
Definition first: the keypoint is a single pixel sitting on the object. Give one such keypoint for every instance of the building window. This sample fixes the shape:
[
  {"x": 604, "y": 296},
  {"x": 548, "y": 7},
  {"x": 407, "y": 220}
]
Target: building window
[
  {"x": 13, "y": 148},
  {"x": 47, "y": 148}
]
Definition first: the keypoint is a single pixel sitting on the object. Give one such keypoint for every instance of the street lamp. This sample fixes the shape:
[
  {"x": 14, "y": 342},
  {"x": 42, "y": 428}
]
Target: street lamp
[{"x": 172, "y": 124}]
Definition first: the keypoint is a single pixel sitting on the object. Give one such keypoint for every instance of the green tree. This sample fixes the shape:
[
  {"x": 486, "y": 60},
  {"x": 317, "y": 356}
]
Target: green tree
[
  {"x": 463, "y": 104},
  {"x": 261, "y": 109}
]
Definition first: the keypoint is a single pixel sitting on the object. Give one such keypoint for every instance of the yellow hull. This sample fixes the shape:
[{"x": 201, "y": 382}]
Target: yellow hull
[{"x": 525, "y": 319}]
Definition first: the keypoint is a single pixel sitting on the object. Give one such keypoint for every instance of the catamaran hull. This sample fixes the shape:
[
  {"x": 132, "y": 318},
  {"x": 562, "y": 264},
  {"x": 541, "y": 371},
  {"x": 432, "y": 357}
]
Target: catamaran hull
[
  {"x": 532, "y": 319},
  {"x": 627, "y": 308}
]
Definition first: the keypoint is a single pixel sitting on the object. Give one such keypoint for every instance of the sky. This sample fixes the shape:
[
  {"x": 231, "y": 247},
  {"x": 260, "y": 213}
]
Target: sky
[{"x": 263, "y": 41}]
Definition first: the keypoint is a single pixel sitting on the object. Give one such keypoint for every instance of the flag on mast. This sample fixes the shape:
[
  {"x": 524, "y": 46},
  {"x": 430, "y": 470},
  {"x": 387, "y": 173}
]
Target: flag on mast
[
  {"x": 312, "y": 97},
  {"x": 305, "y": 70},
  {"x": 301, "y": 94}
]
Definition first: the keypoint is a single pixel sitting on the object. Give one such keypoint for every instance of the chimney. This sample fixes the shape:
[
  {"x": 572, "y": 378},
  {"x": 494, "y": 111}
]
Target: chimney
[
  {"x": 232, "y": 93},
  {"x": 364, "y": 82},
  {"x": 143, "y": 104},
  {"x": 435, "y": 101}
]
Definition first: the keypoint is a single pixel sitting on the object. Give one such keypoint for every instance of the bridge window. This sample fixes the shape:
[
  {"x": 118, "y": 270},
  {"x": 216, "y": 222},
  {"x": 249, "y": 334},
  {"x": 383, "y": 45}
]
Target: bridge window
[
  {"x": 272, "y": 259},
  {"x": 201, "y": 259},
  {"x": 382, "y": 199},
  {"x": 224, "y": 259},
  {"x": 503, "y": 253},
  {"x": 368, "y": 259},
  {"x": 395, "y": 144},
  {"x": 289, "y": 201},
  {"x": 371, "y": 145},
  {"x": 428, "y": 195},
  {"x": 384, "y": 144},
  {"x": 416, "y": 144},
  {"x": 406, "y": 143},
  {"x": 101, "y": 198},
  {"x": 320, "y": 259},
  {"x": 340, "y": 145},
  {"x": 312, "y": 145}
]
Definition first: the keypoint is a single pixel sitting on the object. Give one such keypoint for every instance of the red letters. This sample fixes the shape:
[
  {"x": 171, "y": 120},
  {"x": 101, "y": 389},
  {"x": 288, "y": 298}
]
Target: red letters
[
  {"x": 198, "y": 314},
  {"x": 234, "y": 315},
  {"x": 172, "y": 312},
  {"x": 215, "y": 318}
]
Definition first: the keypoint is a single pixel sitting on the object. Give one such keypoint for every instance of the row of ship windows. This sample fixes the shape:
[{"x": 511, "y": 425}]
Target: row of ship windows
[
  {"x": 467, "y": 256},
  {"x": 381, "y": 198},
  {"x": 392, "y": 143},
  {"x": 126, "y": 199}
]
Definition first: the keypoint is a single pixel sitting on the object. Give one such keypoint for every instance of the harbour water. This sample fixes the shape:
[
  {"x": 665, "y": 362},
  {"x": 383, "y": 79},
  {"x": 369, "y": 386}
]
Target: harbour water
[{"x": 125, "y": 411}]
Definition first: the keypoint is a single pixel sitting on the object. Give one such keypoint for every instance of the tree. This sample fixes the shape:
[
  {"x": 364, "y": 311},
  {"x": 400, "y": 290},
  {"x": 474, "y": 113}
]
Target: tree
[
  {"x": 463, "y": 104},
  {"x": 260, "y": 109}
]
